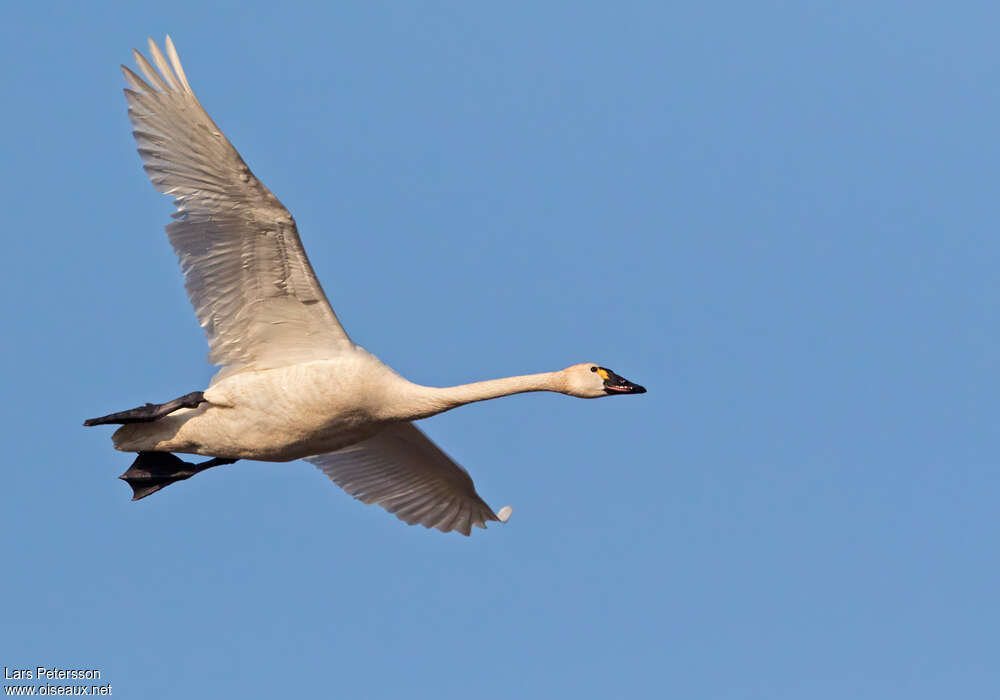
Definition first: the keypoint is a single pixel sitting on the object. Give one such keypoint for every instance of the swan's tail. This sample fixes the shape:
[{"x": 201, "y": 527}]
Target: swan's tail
[{"x": 149, "y": 412}]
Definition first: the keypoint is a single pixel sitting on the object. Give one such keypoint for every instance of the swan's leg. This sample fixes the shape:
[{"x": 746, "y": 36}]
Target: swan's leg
[
  {"x": 149, "y": 412},
  {"x": 151, "y": 471}
]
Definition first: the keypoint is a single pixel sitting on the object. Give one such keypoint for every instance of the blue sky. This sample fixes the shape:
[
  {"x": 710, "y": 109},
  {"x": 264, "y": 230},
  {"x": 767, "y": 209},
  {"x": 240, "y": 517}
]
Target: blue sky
[{"x": 778, "y": 217}]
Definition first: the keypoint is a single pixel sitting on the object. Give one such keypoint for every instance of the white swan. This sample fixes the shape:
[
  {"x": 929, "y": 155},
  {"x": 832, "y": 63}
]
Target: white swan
[{"x": 292, "y": 384}]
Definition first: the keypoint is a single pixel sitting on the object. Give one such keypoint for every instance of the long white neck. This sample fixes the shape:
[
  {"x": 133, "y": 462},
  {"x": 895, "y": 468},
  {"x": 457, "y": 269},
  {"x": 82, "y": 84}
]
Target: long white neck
[{"x": 415, "y": 401}]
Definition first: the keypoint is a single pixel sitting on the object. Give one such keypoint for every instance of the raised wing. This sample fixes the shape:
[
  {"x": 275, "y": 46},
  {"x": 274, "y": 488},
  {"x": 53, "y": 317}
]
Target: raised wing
[
  {"x": 245, "y": 270},
  {"x": 401, "y": 470}
]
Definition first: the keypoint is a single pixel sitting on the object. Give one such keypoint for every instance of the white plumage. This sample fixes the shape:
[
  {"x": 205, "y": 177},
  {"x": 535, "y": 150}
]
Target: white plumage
[{"x": 292, "y": 384}]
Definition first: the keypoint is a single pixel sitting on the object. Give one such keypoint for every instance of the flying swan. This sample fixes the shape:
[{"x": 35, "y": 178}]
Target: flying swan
[{"x": 292, "y": 384}]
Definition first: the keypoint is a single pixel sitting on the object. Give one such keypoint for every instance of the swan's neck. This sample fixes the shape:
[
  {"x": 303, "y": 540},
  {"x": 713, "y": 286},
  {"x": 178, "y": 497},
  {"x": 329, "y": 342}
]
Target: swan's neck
[{"x": 424, "y": 401}]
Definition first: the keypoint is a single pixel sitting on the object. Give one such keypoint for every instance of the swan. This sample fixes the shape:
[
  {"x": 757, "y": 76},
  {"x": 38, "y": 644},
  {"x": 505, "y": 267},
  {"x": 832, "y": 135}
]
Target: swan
[{"x": 292, "y": 384}]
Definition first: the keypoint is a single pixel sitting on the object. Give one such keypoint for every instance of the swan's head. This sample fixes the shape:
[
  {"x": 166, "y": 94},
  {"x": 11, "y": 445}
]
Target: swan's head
[{"x": 591, "y": 381}]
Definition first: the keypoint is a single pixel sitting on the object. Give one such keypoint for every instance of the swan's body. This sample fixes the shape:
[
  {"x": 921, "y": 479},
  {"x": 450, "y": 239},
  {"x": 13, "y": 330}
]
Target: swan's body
[
  {"x": 276, "y": 415},
  {"x": 287, "y": 413},
  {"x": 293, "y": 385}
]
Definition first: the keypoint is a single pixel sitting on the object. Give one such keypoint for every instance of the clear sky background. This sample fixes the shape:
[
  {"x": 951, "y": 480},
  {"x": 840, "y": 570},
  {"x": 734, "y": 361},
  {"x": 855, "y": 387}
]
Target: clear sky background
[{"x": 779, "y": 217}]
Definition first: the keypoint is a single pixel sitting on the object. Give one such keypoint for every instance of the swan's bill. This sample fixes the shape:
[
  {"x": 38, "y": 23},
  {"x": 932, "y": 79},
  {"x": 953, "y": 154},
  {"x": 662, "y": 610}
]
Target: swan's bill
[{"x": 616, "y": 384}]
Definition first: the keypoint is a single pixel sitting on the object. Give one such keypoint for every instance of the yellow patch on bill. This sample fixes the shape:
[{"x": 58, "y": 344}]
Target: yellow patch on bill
[{"x": 603, "y": 372}]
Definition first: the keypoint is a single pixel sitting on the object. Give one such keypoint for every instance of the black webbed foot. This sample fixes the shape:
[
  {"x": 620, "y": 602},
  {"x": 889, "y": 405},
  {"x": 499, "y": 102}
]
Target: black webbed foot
[
  {"x": 149, "y": 412},
  {"x": 151, "y": 471}
]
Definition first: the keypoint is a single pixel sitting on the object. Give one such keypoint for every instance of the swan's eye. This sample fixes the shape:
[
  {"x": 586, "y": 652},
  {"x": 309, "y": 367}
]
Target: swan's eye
[{"x": 593, "y": 369}]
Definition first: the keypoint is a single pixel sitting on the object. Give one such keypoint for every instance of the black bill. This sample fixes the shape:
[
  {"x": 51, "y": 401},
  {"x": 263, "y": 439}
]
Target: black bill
[{"x": 615, "y": 384}]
